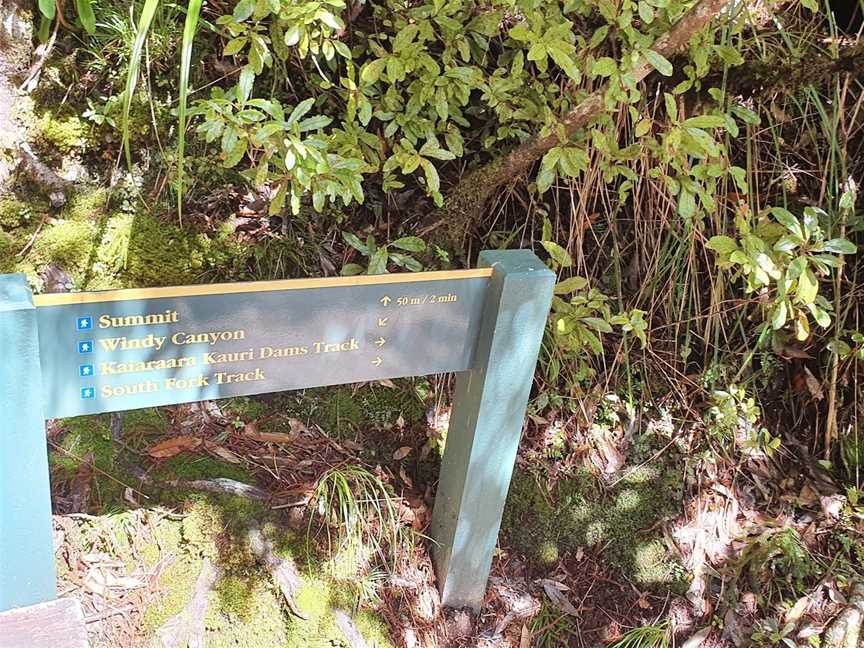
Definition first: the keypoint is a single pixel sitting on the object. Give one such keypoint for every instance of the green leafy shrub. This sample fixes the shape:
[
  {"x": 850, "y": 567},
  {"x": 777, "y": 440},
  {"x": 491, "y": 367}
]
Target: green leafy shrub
[{"x": 786, "y": 255}]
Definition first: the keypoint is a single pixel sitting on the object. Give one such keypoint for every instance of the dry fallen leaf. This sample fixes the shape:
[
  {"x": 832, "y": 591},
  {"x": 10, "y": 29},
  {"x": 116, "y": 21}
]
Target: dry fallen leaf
[
  {"x": 297, "y": 426},
  {"x": 173, "y": 446},
  {"x": 813, "y": 385},
  {"x": 222, "y": 453},
  {"x": 405, "y": 477},
  {"x": 555, "y": 591},
  {"x": 525, "y": 639},
  {"x": 250, "y": 431},
  {"x": 401, "y": 453}
]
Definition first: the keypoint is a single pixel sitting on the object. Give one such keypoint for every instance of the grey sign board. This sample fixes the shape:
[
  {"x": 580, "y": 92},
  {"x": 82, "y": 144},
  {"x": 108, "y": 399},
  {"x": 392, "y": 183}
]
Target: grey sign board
[{"x": 121, "y": 350}]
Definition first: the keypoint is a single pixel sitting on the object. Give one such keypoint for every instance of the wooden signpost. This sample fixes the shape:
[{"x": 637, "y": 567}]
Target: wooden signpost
[{"x": 85, "y": 353}]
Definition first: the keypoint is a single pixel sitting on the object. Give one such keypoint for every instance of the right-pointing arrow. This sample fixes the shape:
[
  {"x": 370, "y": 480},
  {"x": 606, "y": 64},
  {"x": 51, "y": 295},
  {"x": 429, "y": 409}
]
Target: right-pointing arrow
[
  {"x": 380, "y": 342},
  {"x": 377, "y": 361}
]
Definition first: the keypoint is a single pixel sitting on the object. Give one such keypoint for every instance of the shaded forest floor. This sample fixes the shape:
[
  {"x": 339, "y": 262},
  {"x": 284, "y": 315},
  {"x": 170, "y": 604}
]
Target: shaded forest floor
[{"x": 646, "y": 497}]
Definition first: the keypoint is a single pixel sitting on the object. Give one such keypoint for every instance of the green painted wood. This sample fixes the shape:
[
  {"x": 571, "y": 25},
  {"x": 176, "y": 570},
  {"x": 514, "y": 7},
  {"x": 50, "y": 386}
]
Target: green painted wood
[
  {"x": 207, "y": 347},
  {"x": 495, "y": 331},
  {"x": 27, "y": 574},
  {"x": 486, "y": 425}
]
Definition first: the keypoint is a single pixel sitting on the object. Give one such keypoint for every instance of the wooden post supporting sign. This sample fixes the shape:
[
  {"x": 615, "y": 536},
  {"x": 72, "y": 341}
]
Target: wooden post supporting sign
[
  {"x": 87, "y": 353},
  {"x": 486, "y": 425}
]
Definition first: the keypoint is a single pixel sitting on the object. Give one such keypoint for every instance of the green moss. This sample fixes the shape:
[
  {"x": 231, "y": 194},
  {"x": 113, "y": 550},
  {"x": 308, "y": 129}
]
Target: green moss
[
  {"x": 247, "y": 409},
  {"x": 245, "y": 615},
  {"x": 373, "y": 629},
  {"x": 176, "y": 585},
  {"x": 167, "y": 539},
  {"x": 60, "y": 134},
  {"x": 547, "y": 554},
  {"x": 138, "y": 425},
  {"x": 193, "y": 466},
  {"x": 91, "y": 435},
  {"x": 578, "y": 513},
  {"x": 161, "y": 254},
  {"x": 87, "y": 205},
  {"x": 69, "y": 244},
  {"x": 14, "y": 213},
  {"x": 339, "y": 411},
  {"x": 7, "y": 253},
  {"x": 234, "y": 597}
]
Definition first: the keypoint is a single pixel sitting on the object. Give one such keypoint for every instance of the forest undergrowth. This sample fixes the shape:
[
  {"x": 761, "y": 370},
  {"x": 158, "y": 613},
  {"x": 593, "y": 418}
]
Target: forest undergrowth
[{"x": 690, "y": 472}]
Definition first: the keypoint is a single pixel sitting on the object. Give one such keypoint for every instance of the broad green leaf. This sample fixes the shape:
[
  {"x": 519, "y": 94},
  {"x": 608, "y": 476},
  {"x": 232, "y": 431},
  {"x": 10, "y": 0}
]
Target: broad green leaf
[
  {"x": 545, "y": 178},
  {"x": 407, "y": 262},
  {"x": 293, "y": 34},
  {"x": 334, "y": 22},
  {"x": 245, "y": 83},
  {"x": 671, "y": 106},
  {"x": 785, "y": 218},
  {"x": 314, "y": 123},
  {"x": 808, "y": 287},
  {"x": 822, "y": 318},
  {"x": 598, "y": 324},
  {"x": 433, "y": 182},
  {"x": 658, "y": 62},
  {"x": 48, "y": 8},
  {"x": 840, "y": 246},
  {"x": 786, "y": 244},
  {"x": 537, "y": 52},
  {"x": 646, "y": 12},
  {"x": 351, "y": 269},
  {"x": 410, "y": 244},
  {"x": 371, "y": 72},
  {"x": 558, "y": 253},
  {"x": 86, "y": 15},
  {"x": 839, "y": 347},
  {"x": 604, "y": 67},
  {"x": 244, "y": 10},
  {"x": 564, "y": 61},
  {"x": 378, "y": 262},
  {"x": 779, "y": 315},
  {"x": 299, "y": 110},
  {"x": 722, "y": 244},
  {"x": 234, "y": 46},
  {"x": 570, "y": 285},
  {"x": 686, "y": 204},
  {"x": 355, "y": 242},
  {"x": 704, "y": 121}
]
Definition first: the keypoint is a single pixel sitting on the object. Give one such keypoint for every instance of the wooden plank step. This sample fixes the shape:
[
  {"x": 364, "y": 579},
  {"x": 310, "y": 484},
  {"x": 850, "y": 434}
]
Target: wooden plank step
[{"x": 55, "y": 624}]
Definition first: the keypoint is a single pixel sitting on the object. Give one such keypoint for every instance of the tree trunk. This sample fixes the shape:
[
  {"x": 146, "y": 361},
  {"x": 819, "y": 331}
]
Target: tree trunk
[{"x": 463, "y": 206}]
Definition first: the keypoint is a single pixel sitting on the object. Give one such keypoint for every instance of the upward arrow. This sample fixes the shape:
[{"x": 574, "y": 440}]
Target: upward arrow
[{"x": 385, "y": 300}]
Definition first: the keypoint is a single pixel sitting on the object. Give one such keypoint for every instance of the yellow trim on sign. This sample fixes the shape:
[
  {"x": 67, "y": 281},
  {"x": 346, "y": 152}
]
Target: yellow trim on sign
[{"x": 60, "y": 299}]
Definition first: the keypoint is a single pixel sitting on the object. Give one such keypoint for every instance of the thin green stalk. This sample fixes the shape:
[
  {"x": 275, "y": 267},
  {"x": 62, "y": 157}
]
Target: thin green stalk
[
  {"x": 143, "y": 27},
  {"x": 189, "y": 29}
]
